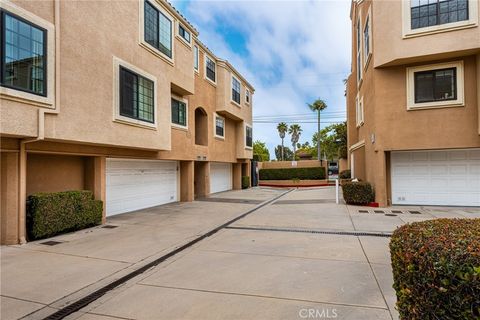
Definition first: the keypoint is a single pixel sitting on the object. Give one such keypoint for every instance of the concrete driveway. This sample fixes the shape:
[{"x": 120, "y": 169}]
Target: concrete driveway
[{"x": 299, "y": 257}]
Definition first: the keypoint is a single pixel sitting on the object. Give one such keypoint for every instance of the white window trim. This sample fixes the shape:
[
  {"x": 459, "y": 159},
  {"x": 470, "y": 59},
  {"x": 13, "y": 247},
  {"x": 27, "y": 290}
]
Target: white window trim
[
  {"x": 197, "y": 50},
  {"x": 26, "y": 97},
  {"x": 177, "y": 33},
  {"x": 359, "y": 112},
  {"x": 359, "y": 50},
  {"x": 408, "y": 32},
  {"x": 238, "y": 104},
  {"x": 366, "y": 56},
  {"x": 249, "y": 94},
  {"x": 141, "y": 28},
  {"x": 459, "y": 102},
  {"x": 117, "y": 63},
  {"x": 214, "y": 83},
  {"x": 215, "y": 127},
  {"x": 175, "y": 125},
  {"x": 245, "y": 137}
]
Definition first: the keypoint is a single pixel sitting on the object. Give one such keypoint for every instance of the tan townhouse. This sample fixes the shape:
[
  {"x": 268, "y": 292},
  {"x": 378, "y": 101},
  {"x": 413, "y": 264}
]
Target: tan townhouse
[
  {"x": 413, "y": 100},
  {"x": 116, "y": 97}
]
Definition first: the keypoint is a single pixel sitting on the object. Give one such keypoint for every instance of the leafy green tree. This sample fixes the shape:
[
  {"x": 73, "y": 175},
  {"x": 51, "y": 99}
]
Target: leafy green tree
[
  {"x": 287, "y": 153},
  {"x": 260, "y": 151},
  {"x": 295, "y": 131},
  {"x": 333, "y": 140},
  {"x": 282, "y": 128},
  {"x": 318, "y": 106}
]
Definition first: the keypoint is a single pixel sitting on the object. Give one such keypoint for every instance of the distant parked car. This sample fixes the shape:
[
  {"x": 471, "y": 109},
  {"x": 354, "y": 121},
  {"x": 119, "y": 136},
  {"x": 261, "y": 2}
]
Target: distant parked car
[{"x": 332, "y": 168}]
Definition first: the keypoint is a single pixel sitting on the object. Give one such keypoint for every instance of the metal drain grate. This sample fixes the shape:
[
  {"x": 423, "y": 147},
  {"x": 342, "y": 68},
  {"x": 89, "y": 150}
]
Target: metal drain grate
[
  {"x": 397, "y": 211},
  {"x": 307, "y": 201},
  {"x": 378, "y": 211},
  {"x": 390, "y": 214},
  {"x": 109, "y": 226},
  {"x": 415, "y": 212},
  {"x": 363, "y": 211},
  {"x": 51, "y": 243},
  {"x": 230, "y": 200},
  {"x": 343, "y": 233}
]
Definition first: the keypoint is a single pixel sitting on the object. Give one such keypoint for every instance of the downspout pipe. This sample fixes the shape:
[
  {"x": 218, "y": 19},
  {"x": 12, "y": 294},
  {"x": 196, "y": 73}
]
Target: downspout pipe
[{"x": 40, "y": 133}]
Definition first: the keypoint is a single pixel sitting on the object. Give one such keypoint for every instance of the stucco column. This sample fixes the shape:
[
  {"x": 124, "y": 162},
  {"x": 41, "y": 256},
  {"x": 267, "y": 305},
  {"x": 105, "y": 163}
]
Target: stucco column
[
  {"x": 22, "y": 194},
  {"x": 186, "y": 181},
  {"x": 99, "y": 187},
  {"x": 478, "y": 91},
  {"x": 9, "y": 198},
  {"x": 380, "y": 178},
  {"x": 237, "y": 176}
]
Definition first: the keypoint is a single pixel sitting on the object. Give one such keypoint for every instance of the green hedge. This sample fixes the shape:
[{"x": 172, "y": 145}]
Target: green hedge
[
  {"x": 436, "y": 269},
  {"x": 49, "y": 214},
  {"x": 245, "y": 182},
  {"x": 345, "y": 174},
  {"x": 316, "y": 173},
  {"x": 358, "y": 193}
]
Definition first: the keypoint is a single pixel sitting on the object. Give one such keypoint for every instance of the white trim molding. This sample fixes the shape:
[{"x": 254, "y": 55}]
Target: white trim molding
[
  {"x": 117, "y": 63},
  {"x": 23, "y": 96},
  {"x": 359, "y": 111},
  {"x": 357, "y": 145},
  {"x": 408, "y": 32},
  {"x": 459, "y": 102}
]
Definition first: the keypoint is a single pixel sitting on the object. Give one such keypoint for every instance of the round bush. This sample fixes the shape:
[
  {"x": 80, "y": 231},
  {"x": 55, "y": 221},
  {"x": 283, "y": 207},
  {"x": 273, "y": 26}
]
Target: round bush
[
  {"x": 436, "y": 269},
  {"x": 358, "y": 193}
]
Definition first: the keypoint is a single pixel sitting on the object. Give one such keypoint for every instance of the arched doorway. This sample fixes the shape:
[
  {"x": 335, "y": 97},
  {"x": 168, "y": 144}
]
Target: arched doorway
[{"x": 201, "y": 127}]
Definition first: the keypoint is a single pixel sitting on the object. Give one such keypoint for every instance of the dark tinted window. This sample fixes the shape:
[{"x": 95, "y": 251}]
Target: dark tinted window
[
  {"x": 436, "y": 85},
  {"x": 158, "y": 29},
  {"x": 426, "y": 13},
  {"x": 24, "y": 53},
  {"x": 179, "y": 112},
  {"x": 219, "y": 127},
  {"x": 249, "y": 136},
  {"x": 210, "y": 69},
  {"x": 184, "y": 33},
  {"x": 235, "y": 90},
  {"x": 136, "y": 96}
]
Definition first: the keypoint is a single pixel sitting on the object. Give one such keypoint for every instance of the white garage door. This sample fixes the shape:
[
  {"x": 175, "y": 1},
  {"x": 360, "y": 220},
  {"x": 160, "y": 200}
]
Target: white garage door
[
  {"x": 138, "y": 184},
  {"x": 443, "y": 177},
  {"x": 220, "y": 177}
]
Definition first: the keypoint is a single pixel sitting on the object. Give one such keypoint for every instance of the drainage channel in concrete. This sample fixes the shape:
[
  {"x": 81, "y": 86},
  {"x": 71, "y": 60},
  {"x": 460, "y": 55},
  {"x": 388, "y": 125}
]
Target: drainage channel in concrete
[
  {"x": 85, "y": 301},
  {"x": 344, "y": 233}
]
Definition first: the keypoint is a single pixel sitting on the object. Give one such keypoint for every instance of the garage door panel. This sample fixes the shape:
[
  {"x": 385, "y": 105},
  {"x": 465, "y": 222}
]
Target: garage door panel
[
  {"x": 220, "y": 177},
  {"x": 448, "y": 177},
  {"x": 138, "y": 184}
]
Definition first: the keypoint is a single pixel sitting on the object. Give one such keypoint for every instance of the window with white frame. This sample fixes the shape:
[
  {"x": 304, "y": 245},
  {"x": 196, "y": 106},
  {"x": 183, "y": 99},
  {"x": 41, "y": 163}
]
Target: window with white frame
[
  {"x": 210, "y": 69},
  {"x": 179, "y": 113},
  {"x": 248, "y": 136},
  {"x": 157, "y": 29},
  {"x": 435, "y": 85},
  {"x": 219, "y": 126},
  {"x": 359, "y": 51},
  {"x": 183, "y": 32},
  {"x": 359, "y": 111},
  {"x": 195, "y": 57},
  {"x": 235, "y": 90},
  {"x": 136, "y": 96},
  {"x": 367, "y": 40},
  {"x": 247, "y": 95}
]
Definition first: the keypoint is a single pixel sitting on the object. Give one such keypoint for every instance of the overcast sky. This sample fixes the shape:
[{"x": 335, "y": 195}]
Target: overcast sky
[{"x": 291, "y": 52}]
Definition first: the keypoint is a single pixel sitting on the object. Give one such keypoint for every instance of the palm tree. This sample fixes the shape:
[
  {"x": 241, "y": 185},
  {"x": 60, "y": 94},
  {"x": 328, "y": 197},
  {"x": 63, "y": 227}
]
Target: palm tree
[
  {"x": 282, "y": 130},
  {"x": 318, "y": 105},
  {"x": 295, "y": 132}
]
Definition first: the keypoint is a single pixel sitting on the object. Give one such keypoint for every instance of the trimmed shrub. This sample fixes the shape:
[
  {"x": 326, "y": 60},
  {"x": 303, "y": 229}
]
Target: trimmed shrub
[
  {"x": 49, "y": 214},
  {"x": 245, "y": 182},
  {"x": 436, "y": 269},
  {"x": 316, "y": 173},
  {"x": 345, "y": 174},
  {"x": 358, "y": 193}
]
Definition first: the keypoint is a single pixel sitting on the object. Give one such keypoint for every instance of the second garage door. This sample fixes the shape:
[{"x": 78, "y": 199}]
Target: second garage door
[
  {"x": 138, "y": 184},
  {"x": 441, "y": 177},
  {"x": 220, "y": 177}
]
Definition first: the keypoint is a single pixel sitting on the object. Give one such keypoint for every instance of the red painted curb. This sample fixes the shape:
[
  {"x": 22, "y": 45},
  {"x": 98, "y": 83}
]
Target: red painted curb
[{"x": 294, "y": 185}]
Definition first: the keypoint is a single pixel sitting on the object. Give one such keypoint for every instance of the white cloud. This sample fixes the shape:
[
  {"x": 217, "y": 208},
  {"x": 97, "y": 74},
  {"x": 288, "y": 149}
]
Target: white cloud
[{"x": 295, "y": 51}]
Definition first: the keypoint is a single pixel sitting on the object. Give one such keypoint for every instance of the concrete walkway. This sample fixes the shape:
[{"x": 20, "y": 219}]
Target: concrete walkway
[{"x": 258, "y": 268}]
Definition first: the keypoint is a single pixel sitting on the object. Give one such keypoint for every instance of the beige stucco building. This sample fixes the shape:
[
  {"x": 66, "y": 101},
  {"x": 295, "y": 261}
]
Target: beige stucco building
[
  {"x": 117, "y": 97},
  {"x": 413, "y": 100}
]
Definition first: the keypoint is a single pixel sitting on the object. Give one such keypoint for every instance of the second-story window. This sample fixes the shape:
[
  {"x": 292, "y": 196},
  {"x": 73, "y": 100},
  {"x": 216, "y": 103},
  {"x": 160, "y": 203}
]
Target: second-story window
[
  {"x": 136, "y": 96},
  {"x": 247, "y": 96},
  {"x": 435, "y": 85},
  {"x": 179, "y": 113},
  {"x": 195, "y": 57},
  {"x": 24, "y": 63},
  {"x": 158, "y": 30},
  {"x": 427, "y": 13},
  {"x": 184, "y": 33},
  {"x": 248, "y": 136},
  {"x": 359, "y": 51},
  {"x": 235, "y": 90},
  {"x": 210, "y": 69},
  {"x": 219, "y": 126}
]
